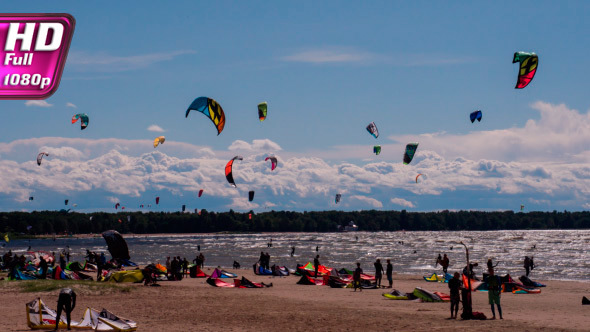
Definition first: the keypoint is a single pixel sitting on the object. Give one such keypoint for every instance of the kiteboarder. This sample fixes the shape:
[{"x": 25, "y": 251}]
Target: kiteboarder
[
  {"x": 527, "y": 265},
  {"x": 316, "y": 264},
  {"x": 389, "y": 273},
  {"x": 455, "y": 286},
  {"x": 356, "y": 277},
  {"x": 378, "y": 272},
  {"x": 445, "y": 263},
  {"x": 491, "y": 265},
  {"x": 67, "y": 301},
  {"x": 494, "y": 292}
]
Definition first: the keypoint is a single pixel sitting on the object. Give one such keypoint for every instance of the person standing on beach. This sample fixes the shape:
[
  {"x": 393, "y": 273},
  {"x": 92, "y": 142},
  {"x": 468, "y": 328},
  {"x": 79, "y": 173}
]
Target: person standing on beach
[
  {"x": 438, "y": 260},
  {"x": 378, "y": 272},
  {"x": 494, "y": 292},
  {"x": 455, "y": 286},
  {"x": 356, "y": 277},
  {"x": 532, "y": 263},
  {"x": 202, "y": 259},
  {"x": 292, "y": 251},
  {"x": 316, "y": 264},
  {"x": 198, "y": 247},
  {"x": 43, "y": 266},
  {"x": 67, "y": 301},
  {"x": 527, "y": 265},
  {"x": 99, "y": 266},
  {"x": 168, "y": 265},
  {"x": 267, "y": 261},
  {"x": 389, "y": 273}
]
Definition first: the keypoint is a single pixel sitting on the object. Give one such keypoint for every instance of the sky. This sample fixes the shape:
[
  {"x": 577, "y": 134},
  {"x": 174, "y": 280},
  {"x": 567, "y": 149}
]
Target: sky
[{"x": 327, "y": 69}]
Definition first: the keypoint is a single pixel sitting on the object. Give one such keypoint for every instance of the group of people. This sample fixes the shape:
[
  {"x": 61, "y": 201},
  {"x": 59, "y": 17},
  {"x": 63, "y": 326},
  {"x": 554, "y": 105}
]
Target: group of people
[
  {"x": 176, "y": 268},
  {"x": 443, "y": 261},
  {"x": 199, "y": 260}
]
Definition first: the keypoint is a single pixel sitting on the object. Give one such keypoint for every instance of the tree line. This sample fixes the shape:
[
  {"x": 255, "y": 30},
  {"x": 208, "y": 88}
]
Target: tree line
[{"x": 23, "y": 224}]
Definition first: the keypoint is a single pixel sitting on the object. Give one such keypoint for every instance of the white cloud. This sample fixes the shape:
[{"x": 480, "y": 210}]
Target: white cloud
[
  {"x": 402, "y": 202},
  {"x": 367, "y": 201},
  {"x": 155, "y": 128},
  {"x": 38, "y": 103},
  {"x": 319, "y": 56},
  {"x": 261, "y": 145},
  {"x": 100, "y": 61},
  {"x": 68, "y": 104}
]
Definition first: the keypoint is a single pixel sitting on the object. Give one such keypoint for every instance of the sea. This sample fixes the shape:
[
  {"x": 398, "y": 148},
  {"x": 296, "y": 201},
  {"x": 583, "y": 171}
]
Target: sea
[{"x": 558, "y": 254}]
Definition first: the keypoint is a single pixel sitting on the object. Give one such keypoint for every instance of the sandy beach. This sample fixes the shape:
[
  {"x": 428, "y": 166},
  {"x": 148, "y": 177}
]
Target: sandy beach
[{"x": 192, "y": 304}]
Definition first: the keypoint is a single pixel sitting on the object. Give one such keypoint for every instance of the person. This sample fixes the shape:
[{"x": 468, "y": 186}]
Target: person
[
  {"x": 168, "y": 264},
  {"x": 445, "y": 263},
  {"x": 527, "y": 265},
  {"x": 317, "y": 248},
  {"x": 62, "y": 260},
  {"x": 198, "y": 247},
  {"x": 202, "y": 259},
  {"x": 184, "y": 266},
  {"x": 316, "y": 264},
  {"x": 292, "y": 251},
  {"x": 267, "y": 261},
  {"x": 389, "y": 273},
  {"x": 378, "y": 272},
  {"x": 43, "y": 266},
  {"x": 438, "y": 261},
  {"x": 236, "y": 265},
  {"x": 494, "y": 292},
  {"x": 532, "y": 263},
  {"x": 468, "y": 271},
  {"x": 491, "y": 265},
  {"x": 67, "y": 301},
  {"x": 262, "y": 259},
  {"x": 173, "y": 269},
  {"x": 99, "y": 266},
  {"x": 197, "y": 261},
  {"x": 356, "y": 277},
  {"x": 455, "y": 286}
]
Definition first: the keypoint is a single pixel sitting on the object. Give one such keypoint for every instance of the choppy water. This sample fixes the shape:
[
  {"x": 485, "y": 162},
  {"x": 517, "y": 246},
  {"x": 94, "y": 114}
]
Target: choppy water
[{"x": 559, "y": 254}]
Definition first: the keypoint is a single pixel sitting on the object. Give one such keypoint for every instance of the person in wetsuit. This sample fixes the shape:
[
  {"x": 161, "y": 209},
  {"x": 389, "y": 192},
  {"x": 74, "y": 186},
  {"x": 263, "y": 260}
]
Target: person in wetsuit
[
  {"x": 316, "y": 264},
  {"x": 378, "y": 272},
  {"x": 494, "y": 292},
  {"x": 66, "y": 301},
  {"x": 455, "y": 286},
  {"x": 389, "y": 273},
  {"x": 356, "y": 277}
]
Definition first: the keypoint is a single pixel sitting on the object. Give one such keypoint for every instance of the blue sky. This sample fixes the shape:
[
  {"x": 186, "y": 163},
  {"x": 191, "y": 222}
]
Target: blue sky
[{"x": 326, "y": 69}]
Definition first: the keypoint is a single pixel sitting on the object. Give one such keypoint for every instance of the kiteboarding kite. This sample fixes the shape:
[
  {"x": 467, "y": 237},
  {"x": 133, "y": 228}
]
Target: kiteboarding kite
[
  {"x": 40, "y": 157},
  {"x": 273, "y": 161},
  {"x": 183, "y": 207},
  {"x": 228, "y": 170},
  {"x": 417, "y": 177},
  {"x": 410, "y": 151},
  {"x": 475, "y": 116},
  {"x": 521, "y": 207},
  {"x": 528, "y": 68},
  {"x": 377, "y": 149},
  {"x": 117, "y": 206},
  {"x": 116, "y": 244},
  {"x": 262, "y": 109},
  {"x": 66, "y": 201},
  {"x": 159, "y": 140},
  {"x": 31, "y": 198},
  {"x": 211, "y": 109},
  {"x": 251, "y": 195},
  {"x": 337, "y": 199},
  {"x": 83, "y": 120},
  {"x": 158, "y": 200},
  {"x": 200, "y": 192},
  {"x": 372, "y": 129}
]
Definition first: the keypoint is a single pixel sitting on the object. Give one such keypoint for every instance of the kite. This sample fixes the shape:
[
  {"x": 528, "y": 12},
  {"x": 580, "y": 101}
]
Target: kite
[
  {"x": 211, "y": 109},
  {"x": 262, "y": 108},
  {"x": 228, "y": 170},
  {"x": 273, "y": 161},
  {"x": 417, "y": 177},
  {"x": 475, "y": 116},
  {"x": 183, "y": 207},
  {"x": 528, "y": 68},
  {"x": 40, "y": 157},
  {"x": 117, "y": 206},
  {"x": 521, "y": 207},
  {"x": 159, "y": 140},
  {"x": 377, "y": 149},
  {"x": 6, "y": 238},
  {"x": 158, "y": 200},
  {"x": 31, "y": 198},
  {"x": 410, "y": 151},
  {"x": 83, "y": 120},
  {"x": 251, "y": 195},
  {"x": 337, "y": 199},
  {"x": 372, "y": 129},
  {"x": 66, "y": 201},
  {"x": 200, "y": 192}
]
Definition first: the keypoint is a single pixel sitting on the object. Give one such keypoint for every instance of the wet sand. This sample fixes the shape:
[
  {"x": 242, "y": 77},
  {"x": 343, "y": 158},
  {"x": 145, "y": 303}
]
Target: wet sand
[{"x": 193, "y": 305}]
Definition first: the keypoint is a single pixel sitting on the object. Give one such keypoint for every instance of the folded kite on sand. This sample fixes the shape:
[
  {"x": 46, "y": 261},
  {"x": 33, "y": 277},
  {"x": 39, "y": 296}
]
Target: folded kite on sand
[{"x": 40, "y": 316}]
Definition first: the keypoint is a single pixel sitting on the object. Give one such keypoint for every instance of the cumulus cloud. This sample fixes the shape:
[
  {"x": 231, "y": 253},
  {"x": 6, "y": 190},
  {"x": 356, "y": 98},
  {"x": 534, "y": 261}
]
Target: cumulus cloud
[
  {"x": 68, "y": 104},
  {"x": 260, "y": 145},
  {"x": 402, "y": 202},
  {"x": 155, "y": 128},
  {"x": 38, "y": 103}
]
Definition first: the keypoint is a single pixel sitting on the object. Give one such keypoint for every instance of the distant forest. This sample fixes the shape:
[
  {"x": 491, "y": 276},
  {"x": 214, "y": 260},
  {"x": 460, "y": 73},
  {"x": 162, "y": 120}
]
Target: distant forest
[{"x": 23, "y": 224}]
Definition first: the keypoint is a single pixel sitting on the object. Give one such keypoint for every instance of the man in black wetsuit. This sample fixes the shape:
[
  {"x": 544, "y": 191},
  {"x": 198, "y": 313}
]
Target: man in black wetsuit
[
  {"x": 67, "y": 301},
  {"x": 455, "y": 286},
  {"x": 378, "y": 272},
  {"x": 389, "y": 273},
  {"x": 316, "y": 264}
]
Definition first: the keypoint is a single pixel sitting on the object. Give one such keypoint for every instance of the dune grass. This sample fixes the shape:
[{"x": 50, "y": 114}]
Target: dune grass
[{"x": 79, "y": 286}]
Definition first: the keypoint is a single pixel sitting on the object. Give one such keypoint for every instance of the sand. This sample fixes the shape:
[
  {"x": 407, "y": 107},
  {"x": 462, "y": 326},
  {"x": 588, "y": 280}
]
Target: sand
[{"x": 193, "y": 305}]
